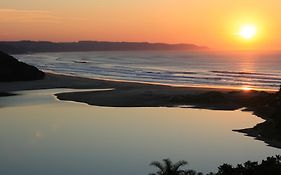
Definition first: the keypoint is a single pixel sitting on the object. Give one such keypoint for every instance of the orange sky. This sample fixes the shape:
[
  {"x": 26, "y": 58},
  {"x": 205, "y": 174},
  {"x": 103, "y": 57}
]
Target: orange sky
[{"x": 213, "y": 23}]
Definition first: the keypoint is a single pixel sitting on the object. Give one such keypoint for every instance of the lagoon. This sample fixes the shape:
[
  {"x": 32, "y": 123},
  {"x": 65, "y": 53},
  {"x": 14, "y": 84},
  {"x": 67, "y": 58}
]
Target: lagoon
[{"x": 42, "y": 135}]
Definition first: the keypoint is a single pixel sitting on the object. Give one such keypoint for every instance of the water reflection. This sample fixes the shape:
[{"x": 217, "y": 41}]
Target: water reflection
[{"x": 71, "y": 138}]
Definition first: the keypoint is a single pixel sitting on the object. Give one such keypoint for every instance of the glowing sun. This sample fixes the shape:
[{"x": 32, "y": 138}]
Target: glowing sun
[{"x": 248, "y": 32}]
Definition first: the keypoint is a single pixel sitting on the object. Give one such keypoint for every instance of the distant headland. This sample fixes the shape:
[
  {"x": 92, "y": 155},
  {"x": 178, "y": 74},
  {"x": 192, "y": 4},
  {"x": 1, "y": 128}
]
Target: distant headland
[{"x": 22, "y": 47}]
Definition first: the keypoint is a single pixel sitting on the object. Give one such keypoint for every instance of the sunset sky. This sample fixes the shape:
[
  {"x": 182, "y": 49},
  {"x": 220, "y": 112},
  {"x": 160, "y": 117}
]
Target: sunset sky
[{"x": 212, "y": 23}]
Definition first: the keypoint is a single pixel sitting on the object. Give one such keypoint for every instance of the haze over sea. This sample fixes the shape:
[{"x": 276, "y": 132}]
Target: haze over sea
[{"x": 233, "y": 70}]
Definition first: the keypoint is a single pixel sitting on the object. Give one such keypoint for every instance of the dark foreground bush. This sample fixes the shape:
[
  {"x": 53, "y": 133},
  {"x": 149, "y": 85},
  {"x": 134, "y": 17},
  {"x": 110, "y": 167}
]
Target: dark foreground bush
[{"x": 269, "y": 166}]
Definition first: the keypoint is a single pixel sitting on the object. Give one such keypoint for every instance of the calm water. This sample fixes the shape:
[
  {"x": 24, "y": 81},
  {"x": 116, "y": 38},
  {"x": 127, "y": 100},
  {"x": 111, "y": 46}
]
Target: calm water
[
  {"x": 41, "y": 135},
  {"x": 259, "y": 70}
]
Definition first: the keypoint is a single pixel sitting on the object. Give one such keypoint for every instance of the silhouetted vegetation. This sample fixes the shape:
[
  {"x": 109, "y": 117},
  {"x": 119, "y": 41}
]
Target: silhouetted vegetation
[
  {"x": 269, "y": 166},
  {"x": 169, "y": 168}
]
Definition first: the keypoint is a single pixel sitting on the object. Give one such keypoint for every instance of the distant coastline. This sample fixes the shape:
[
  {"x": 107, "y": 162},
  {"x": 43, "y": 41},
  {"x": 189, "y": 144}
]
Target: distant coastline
[{"x": 23, "y": 47}]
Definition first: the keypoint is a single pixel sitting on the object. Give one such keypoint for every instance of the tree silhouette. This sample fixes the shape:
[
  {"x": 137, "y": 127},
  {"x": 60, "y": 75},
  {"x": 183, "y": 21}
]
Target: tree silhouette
[
  {"x": 269, "y": 166},
  {"x": 169, "y": 168}
]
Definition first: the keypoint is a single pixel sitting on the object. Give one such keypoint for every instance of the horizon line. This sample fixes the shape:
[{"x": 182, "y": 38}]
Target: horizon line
[{"x": 112, "y": 41}]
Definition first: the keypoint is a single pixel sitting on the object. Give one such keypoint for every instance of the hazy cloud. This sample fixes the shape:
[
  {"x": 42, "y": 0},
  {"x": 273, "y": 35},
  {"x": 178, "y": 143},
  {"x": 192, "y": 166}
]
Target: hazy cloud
[{"x": 31, "y": 16}]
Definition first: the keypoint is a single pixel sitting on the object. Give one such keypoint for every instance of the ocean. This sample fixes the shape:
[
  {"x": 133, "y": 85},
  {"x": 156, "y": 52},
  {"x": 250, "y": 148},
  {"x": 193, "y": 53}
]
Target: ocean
[{"x": 179, "y": 68}]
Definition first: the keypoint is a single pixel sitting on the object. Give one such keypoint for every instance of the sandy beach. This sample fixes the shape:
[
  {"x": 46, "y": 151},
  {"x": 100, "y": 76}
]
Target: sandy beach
[
  {"x": 134, "y": 94},
  {"x": 123, "y": 93}
]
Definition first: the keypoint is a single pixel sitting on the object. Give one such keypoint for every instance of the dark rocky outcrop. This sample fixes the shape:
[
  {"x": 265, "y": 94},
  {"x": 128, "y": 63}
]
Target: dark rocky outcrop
[
  {"x": 262, "y": 104},
  {"x": 13, "y": 70},
  {"x": 267, "y": 107}
]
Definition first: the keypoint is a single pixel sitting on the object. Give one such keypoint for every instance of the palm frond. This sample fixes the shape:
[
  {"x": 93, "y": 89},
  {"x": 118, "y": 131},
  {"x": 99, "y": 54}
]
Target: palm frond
[
  {"x": 168, "y": 163},
  {"x": 177, "y": 165},
  {"x": 158, "y": 165}
]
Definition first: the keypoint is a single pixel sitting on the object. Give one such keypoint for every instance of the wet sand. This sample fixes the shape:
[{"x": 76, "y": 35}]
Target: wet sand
[{"x": 123, "y": 93}]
